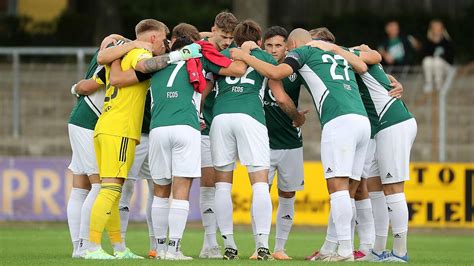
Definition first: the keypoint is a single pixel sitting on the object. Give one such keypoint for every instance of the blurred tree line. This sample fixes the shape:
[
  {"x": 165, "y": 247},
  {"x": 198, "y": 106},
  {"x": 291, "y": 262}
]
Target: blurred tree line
[{"x": 86, "y": 22}]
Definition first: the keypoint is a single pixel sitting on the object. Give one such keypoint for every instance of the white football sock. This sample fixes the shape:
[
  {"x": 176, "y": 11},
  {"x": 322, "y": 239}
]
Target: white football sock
[
  {"x": 149, "y": 221},
  {"x": 160, "y": 213},
  {"x": 398, "y": 214},
  {"x": 284, "y": 221},
  {"x": 254, "y": 229},
  {"x": 380, "y": 212},
  {"x": 262, "y": 213},
  {"x": 365, "y": 225},
  {"x": 330, "y": 243},
  {"x": 74, "y": 206},
  {"x": 353, "y": 221},
  {"x": 178, "y": 216},
  {"x": 224, "y": 210},
  {"x": 209, "y": 222},
  {"x": 341, "y": 212},
  {"x": 86, "y": 215},
  {"x": 124, "y": 205}
]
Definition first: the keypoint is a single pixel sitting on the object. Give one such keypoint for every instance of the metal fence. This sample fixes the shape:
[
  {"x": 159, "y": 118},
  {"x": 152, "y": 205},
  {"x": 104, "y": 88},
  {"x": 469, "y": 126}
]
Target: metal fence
[{"x": 35, "y": 103}]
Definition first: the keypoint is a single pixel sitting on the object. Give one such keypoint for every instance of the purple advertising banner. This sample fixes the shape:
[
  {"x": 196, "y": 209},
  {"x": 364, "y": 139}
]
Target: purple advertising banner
[{"x": 37, "y": 189}]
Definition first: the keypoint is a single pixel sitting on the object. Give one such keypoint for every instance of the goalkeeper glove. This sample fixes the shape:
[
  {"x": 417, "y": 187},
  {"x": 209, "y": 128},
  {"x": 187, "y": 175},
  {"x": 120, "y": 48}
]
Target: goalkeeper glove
[{"x": 185, "y": 53}]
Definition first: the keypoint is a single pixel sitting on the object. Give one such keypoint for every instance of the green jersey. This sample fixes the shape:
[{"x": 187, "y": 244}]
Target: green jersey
[
  {"x": 281, "y": 132},
  {"x": 209, "y": 102},
  {"x": 243, "y": 95},
  {"x": 207, "y": 110},
  {"x": 330, "y": 81},
  {"x": 383, "y": 110},
  {"x": 147, "y": 115},
  {"x": 173, "y": 99},
  {"x": 88, "y": 108}
]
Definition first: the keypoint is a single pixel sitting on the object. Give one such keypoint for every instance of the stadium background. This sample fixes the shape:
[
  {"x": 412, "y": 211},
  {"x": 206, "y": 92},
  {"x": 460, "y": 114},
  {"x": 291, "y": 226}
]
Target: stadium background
[{"x": 45, "y": 46}]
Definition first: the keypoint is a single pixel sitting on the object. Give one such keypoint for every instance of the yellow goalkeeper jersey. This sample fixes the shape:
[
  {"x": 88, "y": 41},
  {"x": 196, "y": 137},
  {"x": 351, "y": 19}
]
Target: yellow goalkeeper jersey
[{"x": 122, "y": 114}]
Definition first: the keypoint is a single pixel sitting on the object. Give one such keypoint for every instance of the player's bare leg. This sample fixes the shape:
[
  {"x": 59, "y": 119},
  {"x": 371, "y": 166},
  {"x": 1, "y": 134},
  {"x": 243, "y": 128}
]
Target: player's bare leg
[{"x": 80, "y": 190}]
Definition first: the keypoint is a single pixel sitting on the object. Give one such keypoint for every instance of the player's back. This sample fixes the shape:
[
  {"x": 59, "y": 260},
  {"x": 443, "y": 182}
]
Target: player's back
[
  {"x": 331, "y": 82},
  {"x": 88, "y": 108},
  {"x": 174, "y": 100},
  {"x": 122, "y": 114},
  {"x": 374, "y": 87},
  {"x": 244, "y": 94}
]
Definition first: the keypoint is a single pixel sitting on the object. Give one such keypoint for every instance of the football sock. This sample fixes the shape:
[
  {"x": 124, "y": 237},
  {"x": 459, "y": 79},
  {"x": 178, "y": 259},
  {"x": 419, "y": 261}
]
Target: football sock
[
  {"x": 74, "y": 206},
  {"x": 160, "y": 213},
  {"x": 262, "y": 213},
  {"x": 341, "y": 212},
  {"x": 330, "y": 243},
  {"x": 86, "y": 215},
  {"x": 353, "y": 222},
  {"x": 113, "y": 228},
  {"x": 124, "y": 205},
  {"x": 102, "y": 211},
  {"x": 365, "y": 225},
  {"x": 398, "y": 214},
  {"x": 149, "y": 221},
  {"x": 178, "y": 216},
  {"x": 380, "y": 212},
  {"x": 224, "y": 208},
  {"x": 209, "y": 222},
  {"x": 284, "y": 221}
]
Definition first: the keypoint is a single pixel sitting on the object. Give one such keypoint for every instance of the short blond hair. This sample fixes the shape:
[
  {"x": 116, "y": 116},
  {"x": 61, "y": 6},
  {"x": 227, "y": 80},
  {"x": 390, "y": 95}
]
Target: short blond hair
[{"x": 150, "y": 25}]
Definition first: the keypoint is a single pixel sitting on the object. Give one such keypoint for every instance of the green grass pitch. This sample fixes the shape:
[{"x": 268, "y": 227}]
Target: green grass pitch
[{"x": 49, "y": 244}]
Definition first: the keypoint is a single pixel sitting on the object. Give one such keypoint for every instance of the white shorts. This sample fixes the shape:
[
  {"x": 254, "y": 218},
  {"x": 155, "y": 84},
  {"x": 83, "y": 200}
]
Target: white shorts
[
  {"x": 290, "y": 167},
  {"x": 175, "y": 151},
  {"x": 140, "y": 168},
  {"x": 206, "y": 156},
  {"x": 83, "y": 161},
  {"x": 393, "y": 151},
  {"x": 344, "y": 143},
  {"x": 239, "y": 136},
  {"x": 371, "y": 168}
]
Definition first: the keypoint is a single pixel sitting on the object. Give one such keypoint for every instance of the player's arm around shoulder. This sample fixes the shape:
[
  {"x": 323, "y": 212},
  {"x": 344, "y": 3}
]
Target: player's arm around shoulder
[
  {"x": 107, "y": 55},
  {"x": 268, "y": 70},
  {"x": 120, "y": 78},
  {"x": 368, "y": 55},
  {"x": 357, "y": 64}
]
